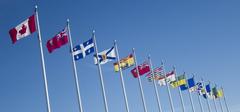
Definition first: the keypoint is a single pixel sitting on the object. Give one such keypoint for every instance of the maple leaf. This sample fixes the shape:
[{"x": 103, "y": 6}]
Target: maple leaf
[{"x": 23, "y": 30}]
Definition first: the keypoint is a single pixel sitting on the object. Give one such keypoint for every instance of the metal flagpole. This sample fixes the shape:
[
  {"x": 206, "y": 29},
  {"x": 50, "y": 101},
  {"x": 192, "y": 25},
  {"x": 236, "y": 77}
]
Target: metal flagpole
[
  {"x": 75, "y": 69},
  {"x": 43, "y": 63},
  {"x": 139, "y": 81},
  {"x": 220, "y": 104},
  {"x": 180, "y": 92},
  {"x": 214, "y": 101},
  {"x": 190, "y": 96},
  {"x": 168, "y": 89},
  {"x": 121, "y": 75},
  {"x": 155, "y": 86},
  {"x": 215, "y": 105},
  {"x": 199, "y": 100},
  {"x": 200, "y": 103},
  {"x": 100, "y": 73},
  {"x": 224, "y": 98},
  {"x": 209, "y": 107}
]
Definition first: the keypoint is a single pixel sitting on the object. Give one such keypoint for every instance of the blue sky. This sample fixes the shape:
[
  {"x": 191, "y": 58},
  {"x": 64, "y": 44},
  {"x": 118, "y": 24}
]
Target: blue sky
[{"x": 200, "y": 37}]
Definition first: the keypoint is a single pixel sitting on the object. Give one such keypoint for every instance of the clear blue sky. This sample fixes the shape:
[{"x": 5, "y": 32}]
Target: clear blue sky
[{"x": 200, "y": 37}]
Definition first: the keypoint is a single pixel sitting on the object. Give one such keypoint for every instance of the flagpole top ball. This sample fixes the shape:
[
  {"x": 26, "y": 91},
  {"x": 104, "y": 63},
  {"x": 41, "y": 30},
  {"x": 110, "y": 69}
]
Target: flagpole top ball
[
  {"x": 93, "y": 31},
  {"x": 115, "y": 41},
  {"x": 36, "y": 6},
  {"x": 68, "y": 20}
]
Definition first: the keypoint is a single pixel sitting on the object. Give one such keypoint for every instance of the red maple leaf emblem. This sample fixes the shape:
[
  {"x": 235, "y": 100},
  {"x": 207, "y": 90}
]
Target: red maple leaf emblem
[{"x": 23, "y": 30}]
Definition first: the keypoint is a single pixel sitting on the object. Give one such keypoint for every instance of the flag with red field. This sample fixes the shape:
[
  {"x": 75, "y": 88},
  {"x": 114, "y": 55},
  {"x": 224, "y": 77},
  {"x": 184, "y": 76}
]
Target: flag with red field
[
  {"x": 58, "y": 40},
  {"x": 24, "y": 29},
  {"x": 142, "y": 69}
]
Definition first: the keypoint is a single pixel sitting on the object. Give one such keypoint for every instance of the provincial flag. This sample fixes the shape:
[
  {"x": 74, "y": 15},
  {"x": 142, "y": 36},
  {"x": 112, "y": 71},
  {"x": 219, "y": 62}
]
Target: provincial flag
[
  {"x": 142, "y": 69},
  {"x": 82, "y": 50},
  {"x": 199, "y": 87},
  {"x": 24, "y": 29},
  {"x": 155, "y": 75},
  {"x": 105, "y": 56},
  {"x": 170, "y": 77},
  {"x": 124, "y": 63},
  {"x": 161, "y": 80},
  {"x": 190, "y": 85},
  {"x": 58, "y": 40},
  {"x": 181, "y": 80}
]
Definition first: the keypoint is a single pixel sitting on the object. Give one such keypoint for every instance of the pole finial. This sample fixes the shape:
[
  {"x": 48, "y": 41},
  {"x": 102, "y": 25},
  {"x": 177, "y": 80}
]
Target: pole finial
[
  {"x": 36, "y": 6},
  {"x": 68, "y": 20},
  {"x": 93, "y": 31}
]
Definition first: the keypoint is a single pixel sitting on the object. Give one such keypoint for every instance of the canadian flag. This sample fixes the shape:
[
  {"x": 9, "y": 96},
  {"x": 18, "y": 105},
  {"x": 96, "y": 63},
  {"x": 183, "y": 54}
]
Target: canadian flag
[{"x": 24, "y": 29}]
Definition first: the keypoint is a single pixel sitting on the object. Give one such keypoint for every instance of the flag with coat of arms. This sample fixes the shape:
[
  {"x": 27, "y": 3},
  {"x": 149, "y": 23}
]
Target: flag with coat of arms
[{"x": 105, "y": 56}]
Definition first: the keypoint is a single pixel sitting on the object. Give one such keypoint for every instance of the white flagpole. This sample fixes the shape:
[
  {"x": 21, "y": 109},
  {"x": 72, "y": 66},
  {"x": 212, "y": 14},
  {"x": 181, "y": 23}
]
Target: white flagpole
[
  {"x": 43, "y": 63},
  {"x": 220, "y": 104},
  {"x": 74, "y": 69},
  {"x": 224, "y": 98},
  {"x": 215, "y": 105},
  {"x": 214, "y": 101},
  {"x": 139, "y": 81},
  {"x": 200, "y": 103},
  {"x": 121, "y": 76},
  {"x": 180, "y": 92},
  {"x": 168, "y": 89},
  {"x": 155, "y": 86},
  {"x": 100, "y": 73},
  {"x": 190, "y": 96},
  {"x": 199, "y": 100},
  {"x": 209, "y": 107}
]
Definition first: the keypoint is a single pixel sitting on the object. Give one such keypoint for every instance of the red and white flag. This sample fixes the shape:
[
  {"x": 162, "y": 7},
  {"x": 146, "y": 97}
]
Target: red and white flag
[
  {"x": 58, "y": 40},
  {"x": 24, "y": 29},
  {"x": 142, "y": 69}
]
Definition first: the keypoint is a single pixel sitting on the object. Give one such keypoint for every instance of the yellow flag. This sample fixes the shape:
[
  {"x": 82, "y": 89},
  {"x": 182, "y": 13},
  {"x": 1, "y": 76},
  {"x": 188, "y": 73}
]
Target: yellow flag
[{"x": 124, "y": 63}]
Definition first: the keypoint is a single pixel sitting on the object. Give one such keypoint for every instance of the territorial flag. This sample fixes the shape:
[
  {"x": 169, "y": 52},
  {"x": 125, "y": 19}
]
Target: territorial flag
[
  {"x": 124, "y": 63},
  {"x": 58, "y": 40},
  {"x": 181, "y": 80},
  {"x": 105, "y": 56},
  {"x": 161, "y": 80},
  {"x": 142, "y": 69},
  {"x": 219, "y": 93},
  {"x": 208, "y": 91},
  {"x": 24, "y": 29},
  {"x": 82, "y": 50},
  {"x": 215, "y": 92}
]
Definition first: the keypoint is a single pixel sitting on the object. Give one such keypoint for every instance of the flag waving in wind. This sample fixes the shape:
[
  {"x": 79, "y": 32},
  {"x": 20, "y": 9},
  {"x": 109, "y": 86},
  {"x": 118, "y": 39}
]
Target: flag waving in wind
[
  {"x": 24, "y": 29},
  {"x": 105, "y": 56},
  {"x": 82, "y": 50},
  {"x": 58, "y": 40},
  {"x": 142, "y": 69}
]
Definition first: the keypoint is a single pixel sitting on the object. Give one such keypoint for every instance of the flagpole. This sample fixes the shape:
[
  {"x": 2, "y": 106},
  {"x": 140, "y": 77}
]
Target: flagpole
[
  {"x": 75, "y": 69},
  {"x": 121, "y": 76},
  {"x": 100, "y": 73},
  {"x": 214, "y": 101},
  {"x": 220, "y": 104},
  {"x": 200, "y": 101},
  {"x": 168, "y": 89},
  {"x": 155, "y": 87},
  {"x": 190, "y": 97},
  {"x": 209, "y": 107},
  {"x": 180, "y": 92},
  {"x": 43, "y": 62},
  {"x": 224, "y": 98},
  {"x": 139, "y": 81}
]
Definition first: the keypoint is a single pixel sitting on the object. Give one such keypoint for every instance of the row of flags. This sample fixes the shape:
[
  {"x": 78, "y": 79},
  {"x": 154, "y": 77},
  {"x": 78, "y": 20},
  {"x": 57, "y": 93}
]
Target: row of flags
[{"x": 86, "y": 48}]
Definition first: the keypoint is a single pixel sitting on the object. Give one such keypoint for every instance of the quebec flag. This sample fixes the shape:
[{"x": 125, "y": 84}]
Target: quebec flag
[
  {"x": 105, "y": 56},
  {"x": 82, "y": 50}
]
